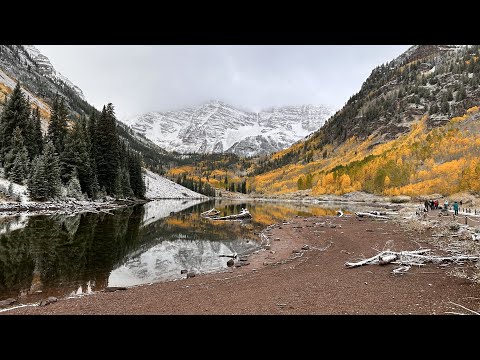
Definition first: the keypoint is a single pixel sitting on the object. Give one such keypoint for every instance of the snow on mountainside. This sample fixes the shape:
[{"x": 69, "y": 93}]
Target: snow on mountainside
[
  {"x": 159, "y": 187},
  {"x": 217, "y": 127},
  {"x": 47, "y": 69}
]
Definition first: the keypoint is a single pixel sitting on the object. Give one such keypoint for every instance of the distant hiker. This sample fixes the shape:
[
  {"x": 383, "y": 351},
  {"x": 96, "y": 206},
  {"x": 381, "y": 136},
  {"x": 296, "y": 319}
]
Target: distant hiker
[
  {"x": 435, "y": 203},
  {"x": 445, "y": 204},
  {"x": 426, "y": 205},
  {"x": 431, "y": 205},
  {"x": 455, "y": 208},
  {"x": 461, "y": 202}
]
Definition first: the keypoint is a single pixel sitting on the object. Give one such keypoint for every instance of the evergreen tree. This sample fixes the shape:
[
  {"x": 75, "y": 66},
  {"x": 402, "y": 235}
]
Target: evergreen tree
[
  {"x": 95, "y": 189},
  {"x": 44, "y": 182},
  {"x": 20, "y": 168},
  {"x": 137, "y": 182},
  {"x": 244, "y": 186},
  {"x": 300, "y": 185},
  {"x": 15, "y": 114},
  {"x": 16, "y": 160},
  {"x": 106, "y": 149},
  {"x": 35, "y": 138},
  {"x": 73, "y": 189},
  {"x": 36, "y": 183},
  {"x": 461, "y": 94},
  {"x": 57, "y": 128}
]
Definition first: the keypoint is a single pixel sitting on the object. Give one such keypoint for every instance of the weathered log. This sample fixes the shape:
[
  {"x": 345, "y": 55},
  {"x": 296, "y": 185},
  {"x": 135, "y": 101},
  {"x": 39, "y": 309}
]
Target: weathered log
[
  {"x": 363, "y": 214},
  {"x": 114, "y": 288},
  {"x": 386, "y": 259},
  {"x": 415, "y": 257},
  {"x": 48, "y": 301}
]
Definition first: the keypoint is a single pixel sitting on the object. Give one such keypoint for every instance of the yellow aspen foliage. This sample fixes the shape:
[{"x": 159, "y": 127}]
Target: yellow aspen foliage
[{"x": 386, "y": 182}]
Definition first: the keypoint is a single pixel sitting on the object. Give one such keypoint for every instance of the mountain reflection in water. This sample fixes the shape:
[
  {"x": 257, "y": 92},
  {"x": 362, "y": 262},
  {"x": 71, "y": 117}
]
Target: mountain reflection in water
[{"x": 64, "y": 255}]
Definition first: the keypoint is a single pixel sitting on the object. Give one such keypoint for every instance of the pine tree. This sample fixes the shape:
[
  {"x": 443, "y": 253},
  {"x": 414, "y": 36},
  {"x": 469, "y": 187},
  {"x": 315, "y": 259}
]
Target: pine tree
[
  {"x": 106, "y": 149},
  {"x": 16, "y": 160},
  {"x": 137, "y": 182},
  {"x": 15, "y": 114}
]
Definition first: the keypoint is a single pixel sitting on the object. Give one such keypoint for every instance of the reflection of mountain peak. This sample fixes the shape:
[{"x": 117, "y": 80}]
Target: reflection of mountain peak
[{"x": 165, "y": 260}]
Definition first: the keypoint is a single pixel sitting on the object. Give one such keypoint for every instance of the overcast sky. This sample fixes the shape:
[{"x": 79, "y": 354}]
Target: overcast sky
[{"x": 138, "y": 78}]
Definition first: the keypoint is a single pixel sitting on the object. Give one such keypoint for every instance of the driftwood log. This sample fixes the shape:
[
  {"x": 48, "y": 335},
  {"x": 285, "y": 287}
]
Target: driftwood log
[
  {"x": 416, "y": 257},
  {"x": 367, "y": 214}
]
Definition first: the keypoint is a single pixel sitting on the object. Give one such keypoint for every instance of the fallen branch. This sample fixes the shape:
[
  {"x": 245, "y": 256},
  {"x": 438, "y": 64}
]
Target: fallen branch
[{"x": 465, "y": 308}]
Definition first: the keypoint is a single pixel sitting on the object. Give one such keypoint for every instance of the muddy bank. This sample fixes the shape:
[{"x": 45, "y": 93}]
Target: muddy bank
[{"x": 302, "y": 271}]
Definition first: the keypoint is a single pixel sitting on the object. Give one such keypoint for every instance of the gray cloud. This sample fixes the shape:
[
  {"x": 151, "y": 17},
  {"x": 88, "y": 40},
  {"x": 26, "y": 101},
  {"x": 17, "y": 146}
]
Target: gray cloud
[{"x": 138, "y": 79}]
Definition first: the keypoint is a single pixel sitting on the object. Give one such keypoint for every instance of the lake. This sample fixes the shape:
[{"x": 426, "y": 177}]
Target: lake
[{"x": 66, "y": 255}]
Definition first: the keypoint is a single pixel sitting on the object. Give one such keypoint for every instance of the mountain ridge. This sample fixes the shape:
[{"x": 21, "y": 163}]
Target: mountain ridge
[{"x": 217, "y": 127}]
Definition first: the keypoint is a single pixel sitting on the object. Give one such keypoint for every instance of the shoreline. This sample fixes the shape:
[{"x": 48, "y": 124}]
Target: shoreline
[{"x": 300, "y": 270}]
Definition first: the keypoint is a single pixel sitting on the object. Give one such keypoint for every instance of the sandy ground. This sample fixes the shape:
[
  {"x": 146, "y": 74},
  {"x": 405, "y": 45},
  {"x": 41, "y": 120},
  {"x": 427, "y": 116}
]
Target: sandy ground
[{"x": 288, "y": 280}]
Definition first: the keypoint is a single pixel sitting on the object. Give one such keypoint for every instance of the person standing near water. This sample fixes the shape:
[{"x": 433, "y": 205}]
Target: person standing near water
[{"x": 455, "y": 207}]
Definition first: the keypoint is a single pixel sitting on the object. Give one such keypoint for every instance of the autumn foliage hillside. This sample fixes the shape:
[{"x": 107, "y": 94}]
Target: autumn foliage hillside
[{"x": 442, "y": 160}]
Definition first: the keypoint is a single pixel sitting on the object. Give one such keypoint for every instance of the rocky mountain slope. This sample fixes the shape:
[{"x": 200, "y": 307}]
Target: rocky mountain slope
[
  {"x": 41, "y": 82},
  {"x": 440, "y": 81},
  {"x": 411, "y": 129},
  {"x": 217, "y": 127},
  {"x": 26, "y": 64}
]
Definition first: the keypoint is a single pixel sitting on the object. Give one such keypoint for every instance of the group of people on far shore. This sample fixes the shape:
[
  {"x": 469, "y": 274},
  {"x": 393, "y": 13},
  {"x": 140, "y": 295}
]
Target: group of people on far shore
[{"x": 434, "y": 205}]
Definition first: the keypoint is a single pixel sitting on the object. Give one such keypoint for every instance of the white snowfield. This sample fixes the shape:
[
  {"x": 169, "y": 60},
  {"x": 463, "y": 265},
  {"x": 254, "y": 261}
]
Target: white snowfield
[{"x": 159, "y": 187}]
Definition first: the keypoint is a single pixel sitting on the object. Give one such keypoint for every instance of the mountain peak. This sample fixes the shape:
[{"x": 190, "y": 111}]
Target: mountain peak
[{"x": 217, "y": 127}]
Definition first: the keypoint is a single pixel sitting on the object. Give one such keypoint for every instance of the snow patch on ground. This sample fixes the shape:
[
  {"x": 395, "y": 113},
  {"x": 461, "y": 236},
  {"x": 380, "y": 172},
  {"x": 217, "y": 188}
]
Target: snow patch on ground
[
  {"x": 18, "y": 191},
  {"x": 159, "y": 187}
]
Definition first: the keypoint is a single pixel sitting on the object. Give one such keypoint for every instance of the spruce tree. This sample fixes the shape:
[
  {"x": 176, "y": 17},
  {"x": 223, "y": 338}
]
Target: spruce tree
[
  {"x": 36, "y": 138},
  {"x": 16, "y": 160},
  {"x": 36, "y": 182},
  {"x": 106, "y": 150},
  {"x": 45, "y": 180},
  {"x": 57, "y": 128},
  {"x": 15, "y": 114},
  {"x": 137, "y": 182},
  {"x": 74, "y": 189}
]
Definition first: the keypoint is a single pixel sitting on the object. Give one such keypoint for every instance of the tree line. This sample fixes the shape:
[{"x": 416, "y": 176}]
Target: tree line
[{"x": 85, "y": 156}]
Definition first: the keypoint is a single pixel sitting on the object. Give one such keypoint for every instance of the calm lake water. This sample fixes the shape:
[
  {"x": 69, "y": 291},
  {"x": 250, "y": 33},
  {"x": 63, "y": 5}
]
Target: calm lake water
[{"x": 64, "y": 255}]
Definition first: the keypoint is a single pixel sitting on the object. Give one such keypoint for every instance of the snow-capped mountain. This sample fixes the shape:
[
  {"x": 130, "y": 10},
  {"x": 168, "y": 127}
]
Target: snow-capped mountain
[
  {"x": 217, "y": 127},
  {"x": 46, "y": 68}
]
